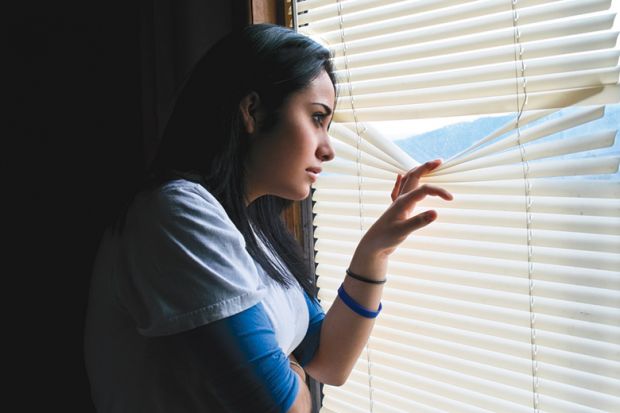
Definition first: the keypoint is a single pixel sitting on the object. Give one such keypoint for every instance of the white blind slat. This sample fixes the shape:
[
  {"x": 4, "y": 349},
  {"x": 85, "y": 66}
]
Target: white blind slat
[{"x": 480, "y": 105}]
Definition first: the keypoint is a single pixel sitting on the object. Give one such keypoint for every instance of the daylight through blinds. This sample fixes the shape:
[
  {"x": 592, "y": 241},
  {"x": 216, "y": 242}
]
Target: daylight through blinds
[{"x": 510, "y": 301}]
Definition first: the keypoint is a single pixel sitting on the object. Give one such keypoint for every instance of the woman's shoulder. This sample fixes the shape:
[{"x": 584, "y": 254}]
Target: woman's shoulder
[
  {"x": 178, "y": 200},
  {"x": 184, "y": 190},
  {"x": 178, "y": 194}
]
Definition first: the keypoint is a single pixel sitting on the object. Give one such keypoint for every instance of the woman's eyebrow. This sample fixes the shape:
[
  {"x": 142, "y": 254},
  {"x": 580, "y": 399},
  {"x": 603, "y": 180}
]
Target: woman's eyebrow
[{"x": 327, "y": 108}]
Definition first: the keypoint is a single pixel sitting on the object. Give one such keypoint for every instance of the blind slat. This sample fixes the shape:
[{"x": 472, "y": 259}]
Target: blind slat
[
  {"x": 481, "y": 105},
  {"x": 328, "y": 6}
]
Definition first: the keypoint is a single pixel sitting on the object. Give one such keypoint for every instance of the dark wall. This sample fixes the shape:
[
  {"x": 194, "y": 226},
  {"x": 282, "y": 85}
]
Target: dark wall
[
  {"x": 77, "y": 108},
  {"x": 76, "y": 111}
]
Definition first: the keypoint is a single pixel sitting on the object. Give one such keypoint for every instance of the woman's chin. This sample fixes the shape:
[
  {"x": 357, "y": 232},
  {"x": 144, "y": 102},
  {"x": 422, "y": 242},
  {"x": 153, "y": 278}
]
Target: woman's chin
[{"x": 298, "y": 195}]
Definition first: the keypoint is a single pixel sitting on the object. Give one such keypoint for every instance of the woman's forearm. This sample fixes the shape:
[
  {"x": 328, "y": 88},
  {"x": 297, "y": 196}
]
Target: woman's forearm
[{"x": 344, "y": 333}]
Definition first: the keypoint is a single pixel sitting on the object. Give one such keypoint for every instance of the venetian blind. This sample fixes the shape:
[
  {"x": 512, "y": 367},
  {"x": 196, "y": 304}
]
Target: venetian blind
[{"x": 510, "y": 301}]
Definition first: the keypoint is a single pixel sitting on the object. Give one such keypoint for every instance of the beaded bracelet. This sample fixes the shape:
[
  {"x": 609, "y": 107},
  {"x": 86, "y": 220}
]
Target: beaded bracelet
[
  {"x": 364, "y": 279},
  {"x": 355, "y": 307}
]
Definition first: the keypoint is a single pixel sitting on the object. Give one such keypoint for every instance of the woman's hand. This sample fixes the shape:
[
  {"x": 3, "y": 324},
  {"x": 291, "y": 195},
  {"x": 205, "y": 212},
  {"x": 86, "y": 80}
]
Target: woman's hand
[
  {"x": 398, "y": 221},
  {"x": 344, "y": 333}
]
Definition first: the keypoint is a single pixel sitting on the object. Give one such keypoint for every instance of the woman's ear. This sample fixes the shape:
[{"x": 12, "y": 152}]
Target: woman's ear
[{"x": 249, "y": 108}]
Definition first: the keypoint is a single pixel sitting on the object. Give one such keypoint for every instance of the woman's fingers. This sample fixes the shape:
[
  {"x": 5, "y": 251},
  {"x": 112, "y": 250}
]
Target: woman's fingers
[
  {"x": 405, "y": 204},
  {"x": 412, "y": 178},
  {"x": 396, "y": 189},
  {"x": 425, "y": 168},
  {"x": 397, "y": 222},
  {"x": 419, "y": 221},
  {"x": 419, "y": 193}
]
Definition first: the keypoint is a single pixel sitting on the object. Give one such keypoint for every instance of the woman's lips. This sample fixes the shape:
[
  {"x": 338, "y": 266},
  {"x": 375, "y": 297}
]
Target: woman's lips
[{"x": 314, "y": 173}]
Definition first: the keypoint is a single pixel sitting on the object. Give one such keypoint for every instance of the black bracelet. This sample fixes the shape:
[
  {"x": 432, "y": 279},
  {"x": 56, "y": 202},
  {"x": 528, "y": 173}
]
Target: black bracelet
[{"x": 364, "y": 279}]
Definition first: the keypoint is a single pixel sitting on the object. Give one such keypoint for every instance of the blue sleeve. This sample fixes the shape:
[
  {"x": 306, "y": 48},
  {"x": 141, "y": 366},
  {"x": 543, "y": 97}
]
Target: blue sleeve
[
  {"x": 305, "y": 352},
  {"x": 242, "y": 365}
]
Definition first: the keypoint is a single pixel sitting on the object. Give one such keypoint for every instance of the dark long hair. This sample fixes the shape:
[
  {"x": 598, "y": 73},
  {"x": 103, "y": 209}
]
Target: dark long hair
[{"x": 205, "y": 136}]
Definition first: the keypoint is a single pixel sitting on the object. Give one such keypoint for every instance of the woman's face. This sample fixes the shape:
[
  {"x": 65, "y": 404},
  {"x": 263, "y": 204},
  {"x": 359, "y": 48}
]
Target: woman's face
[{"x": 288, "y": 158}]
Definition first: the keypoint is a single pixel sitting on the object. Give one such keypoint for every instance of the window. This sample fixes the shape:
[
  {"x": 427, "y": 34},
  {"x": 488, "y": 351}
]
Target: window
[{"x": 510, "y": 302}]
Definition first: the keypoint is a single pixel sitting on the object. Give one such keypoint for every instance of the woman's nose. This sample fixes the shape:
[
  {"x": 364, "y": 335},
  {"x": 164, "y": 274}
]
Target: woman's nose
[{"x": 325, "y": 151}]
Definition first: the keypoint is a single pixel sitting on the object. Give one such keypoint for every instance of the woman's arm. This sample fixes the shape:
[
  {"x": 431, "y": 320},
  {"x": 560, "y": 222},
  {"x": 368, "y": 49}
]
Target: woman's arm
[
  {"x": 344, "y": 333},
  {"x": 239, "y": 362}
]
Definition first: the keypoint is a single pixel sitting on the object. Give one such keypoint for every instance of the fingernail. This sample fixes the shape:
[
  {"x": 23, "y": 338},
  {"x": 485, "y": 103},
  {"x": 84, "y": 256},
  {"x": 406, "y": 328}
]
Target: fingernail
[{"x": 430, "y": 216}]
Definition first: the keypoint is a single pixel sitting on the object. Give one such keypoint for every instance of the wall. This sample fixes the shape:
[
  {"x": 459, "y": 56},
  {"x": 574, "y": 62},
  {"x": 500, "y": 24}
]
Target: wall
[{"x": 77, "y": 112}]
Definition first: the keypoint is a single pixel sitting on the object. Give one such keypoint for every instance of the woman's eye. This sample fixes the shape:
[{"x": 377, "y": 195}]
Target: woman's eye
[{"x": 318, "y": 118}]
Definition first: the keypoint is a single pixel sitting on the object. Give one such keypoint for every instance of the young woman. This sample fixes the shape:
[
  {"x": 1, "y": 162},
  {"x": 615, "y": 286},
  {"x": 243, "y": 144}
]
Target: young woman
[{"x": 200, "y": 301}]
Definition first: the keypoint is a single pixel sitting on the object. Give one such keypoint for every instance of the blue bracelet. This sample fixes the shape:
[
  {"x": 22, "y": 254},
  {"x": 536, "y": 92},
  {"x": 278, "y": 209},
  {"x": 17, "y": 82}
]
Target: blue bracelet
[{"x": 353, "y": 305}]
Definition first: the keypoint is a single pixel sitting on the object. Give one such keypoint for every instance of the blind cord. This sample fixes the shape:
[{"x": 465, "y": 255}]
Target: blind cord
[
  {"x": 521, "y": 88},
  {"x": 359, "y": 182}
]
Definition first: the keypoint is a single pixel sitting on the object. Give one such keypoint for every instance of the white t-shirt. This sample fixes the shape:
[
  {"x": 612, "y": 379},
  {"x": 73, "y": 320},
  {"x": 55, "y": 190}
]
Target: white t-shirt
[{"x": 178, "y": 264}]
